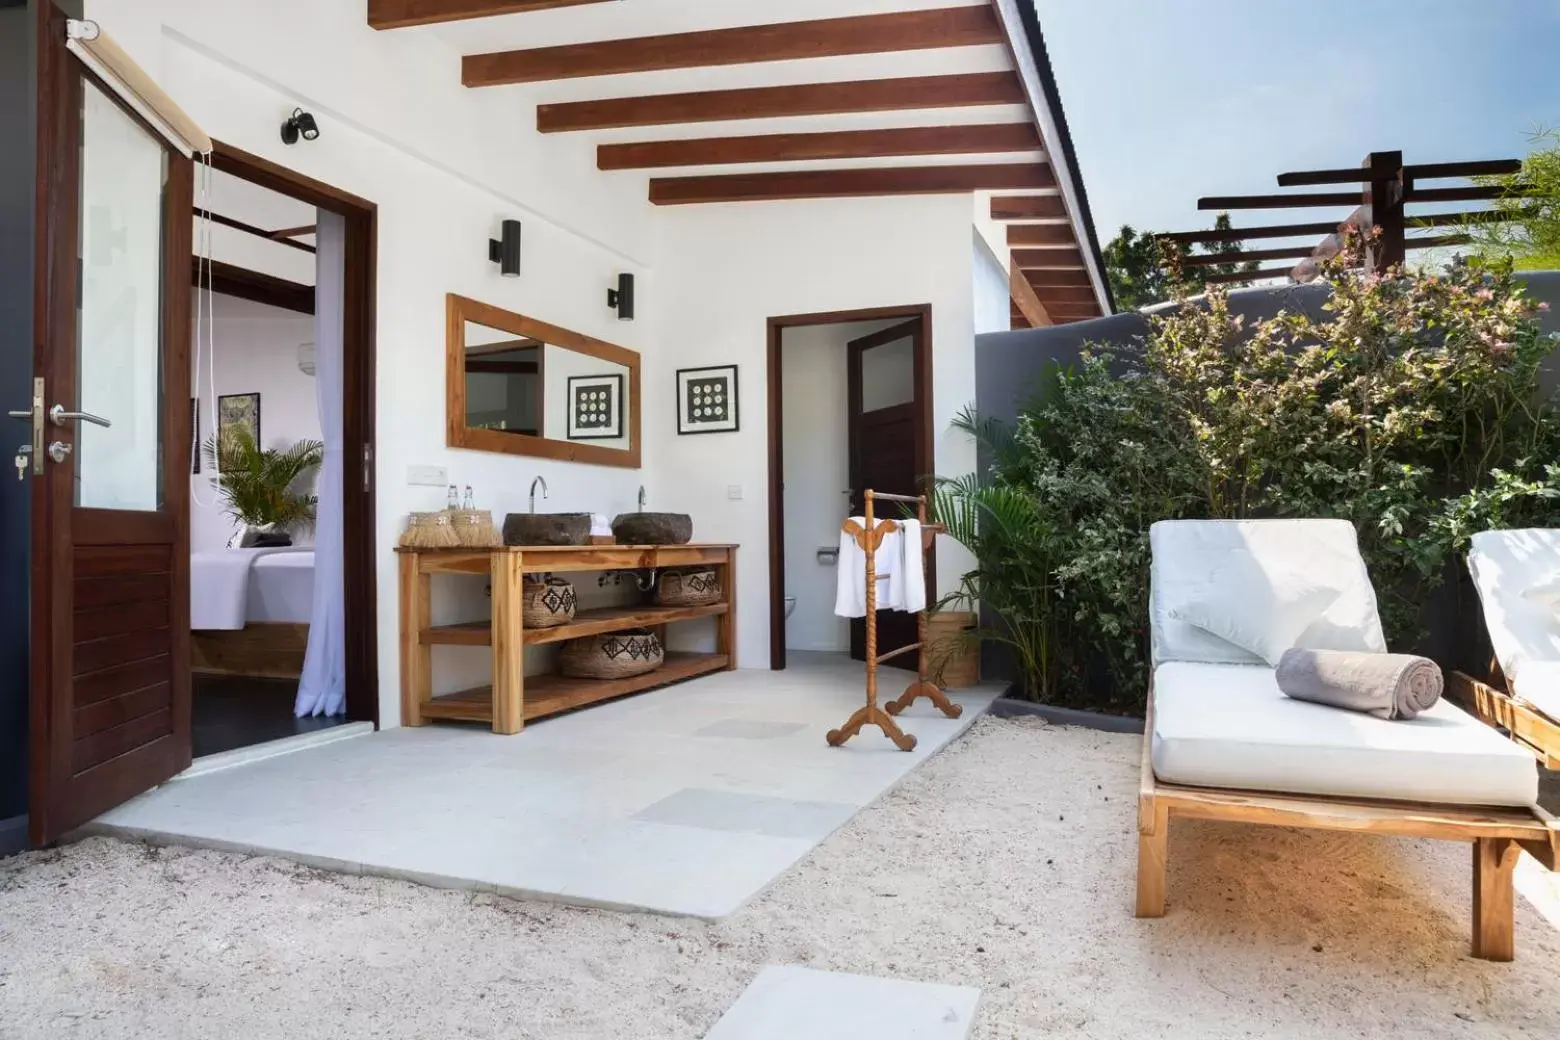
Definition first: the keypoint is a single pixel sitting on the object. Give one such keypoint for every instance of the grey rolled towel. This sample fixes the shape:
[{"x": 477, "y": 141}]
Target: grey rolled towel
[{"x": 1389, "y": 686}]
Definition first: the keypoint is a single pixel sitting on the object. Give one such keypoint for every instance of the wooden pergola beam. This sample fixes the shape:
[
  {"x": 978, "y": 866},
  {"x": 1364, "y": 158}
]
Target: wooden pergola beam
[
  {"x": 1323, "y": 227},
  {"x": 810, "y": 99},
  {"x": 1296, "y": 201},
  {"x": 819, "y": 184},
  {"x": 840, "y": 144},
  {"x": 398, "y": 14},
  {"x": 1212, "y": 259},
  {"x": 1246, "y": 276},
  {"x": 1028, "y": 207},
  {"x": 967, "y": 26}
]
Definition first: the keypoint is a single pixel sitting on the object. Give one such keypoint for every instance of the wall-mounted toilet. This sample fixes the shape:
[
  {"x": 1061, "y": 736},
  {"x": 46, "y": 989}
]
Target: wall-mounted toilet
[{"x": 790, "y": 605}]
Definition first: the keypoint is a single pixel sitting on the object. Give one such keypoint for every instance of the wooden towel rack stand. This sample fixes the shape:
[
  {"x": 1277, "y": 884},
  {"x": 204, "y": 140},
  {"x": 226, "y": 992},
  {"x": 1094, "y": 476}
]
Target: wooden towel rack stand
[{"x": 870, "y": 537}]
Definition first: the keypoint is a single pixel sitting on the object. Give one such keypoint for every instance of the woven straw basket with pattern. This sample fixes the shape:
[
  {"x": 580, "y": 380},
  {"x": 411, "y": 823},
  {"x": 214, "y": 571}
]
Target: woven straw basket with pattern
[
  {"x": 547, "y": 603},
  {"x": 611, "y": 655},
  {"x": 688, "y": 587}
]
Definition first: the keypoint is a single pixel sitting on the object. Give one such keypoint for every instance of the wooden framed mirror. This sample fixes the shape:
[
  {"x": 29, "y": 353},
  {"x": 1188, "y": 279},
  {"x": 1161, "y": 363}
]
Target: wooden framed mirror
[{"x": 517, "y": 385}]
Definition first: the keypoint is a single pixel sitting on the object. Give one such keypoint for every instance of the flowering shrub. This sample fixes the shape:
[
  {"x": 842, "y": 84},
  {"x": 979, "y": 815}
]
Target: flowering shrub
[{"x": 1410, "y": 409}]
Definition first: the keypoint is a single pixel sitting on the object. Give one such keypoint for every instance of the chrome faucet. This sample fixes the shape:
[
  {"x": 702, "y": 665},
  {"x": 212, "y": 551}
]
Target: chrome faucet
[
  {"x": 641, "y": 498},
  {"x": 535, "y": 482}
]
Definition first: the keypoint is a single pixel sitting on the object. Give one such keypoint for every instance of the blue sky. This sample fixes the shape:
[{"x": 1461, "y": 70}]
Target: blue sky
[{"x": 1169, "y": 100}]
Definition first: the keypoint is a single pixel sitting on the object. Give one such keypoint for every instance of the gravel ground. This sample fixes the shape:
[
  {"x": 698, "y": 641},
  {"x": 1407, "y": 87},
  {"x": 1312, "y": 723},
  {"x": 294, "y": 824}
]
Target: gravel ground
[{"x": 1005, "y": 863}]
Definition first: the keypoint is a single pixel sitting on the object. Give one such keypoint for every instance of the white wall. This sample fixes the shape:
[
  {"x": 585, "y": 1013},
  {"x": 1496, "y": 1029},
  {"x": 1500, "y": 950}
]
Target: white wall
[
  {"x": 736, "y": 265},
  {"x": 256, "y": 351},
  {"x": 993, "y": 290},
  {"x": 817, "y": 474}
]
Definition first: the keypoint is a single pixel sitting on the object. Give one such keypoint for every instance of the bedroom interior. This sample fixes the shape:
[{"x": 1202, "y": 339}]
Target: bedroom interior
[{"x": 267, "y": 294}]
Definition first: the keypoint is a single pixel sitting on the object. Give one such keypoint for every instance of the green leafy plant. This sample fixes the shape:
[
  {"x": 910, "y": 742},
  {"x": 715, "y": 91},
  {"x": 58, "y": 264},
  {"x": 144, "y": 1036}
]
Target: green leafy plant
[
  {"x": 1529, "y": 228},
  {"x": 1410, "y": 407},
  {"x": 256, "y": 484}
]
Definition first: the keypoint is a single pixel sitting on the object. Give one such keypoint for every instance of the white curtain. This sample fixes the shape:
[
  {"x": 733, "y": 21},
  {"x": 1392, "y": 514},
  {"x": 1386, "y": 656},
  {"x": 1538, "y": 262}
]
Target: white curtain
[{"x": 322, "y": 690}]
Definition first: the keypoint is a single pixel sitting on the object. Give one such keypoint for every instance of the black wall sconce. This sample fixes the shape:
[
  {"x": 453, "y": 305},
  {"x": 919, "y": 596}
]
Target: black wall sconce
[
  {"x": 300, "y": 124},
  {"x": 505, "y": 251},
  {"x": 621, "y": 299}
]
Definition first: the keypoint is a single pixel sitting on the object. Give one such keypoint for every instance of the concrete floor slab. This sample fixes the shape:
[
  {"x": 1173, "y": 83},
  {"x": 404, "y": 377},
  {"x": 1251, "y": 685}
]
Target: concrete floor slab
[{"x": 688, "y": 800}]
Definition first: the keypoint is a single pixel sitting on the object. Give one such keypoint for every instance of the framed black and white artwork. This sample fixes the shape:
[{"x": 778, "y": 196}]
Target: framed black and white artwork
[
  {"x": 707, "y": 399},
  {"x": 595, "y": 408}
]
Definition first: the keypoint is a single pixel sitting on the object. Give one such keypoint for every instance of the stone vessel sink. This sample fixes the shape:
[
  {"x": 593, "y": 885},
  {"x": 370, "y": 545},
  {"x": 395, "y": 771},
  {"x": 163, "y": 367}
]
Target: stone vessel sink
[
  {"x": 547, "y": 529},
  {"x": 653, "y": 529}
]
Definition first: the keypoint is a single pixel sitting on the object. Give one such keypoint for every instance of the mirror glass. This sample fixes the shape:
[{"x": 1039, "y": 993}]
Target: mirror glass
[{"x": 519, "y": 385}]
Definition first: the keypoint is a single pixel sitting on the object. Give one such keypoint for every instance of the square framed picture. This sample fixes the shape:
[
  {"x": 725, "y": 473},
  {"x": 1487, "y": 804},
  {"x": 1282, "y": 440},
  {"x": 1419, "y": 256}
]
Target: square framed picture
[
  {"x": 707, "y": 399},
  {"x": 595, "y": 408},
  {"x": 238, "y": 412}
]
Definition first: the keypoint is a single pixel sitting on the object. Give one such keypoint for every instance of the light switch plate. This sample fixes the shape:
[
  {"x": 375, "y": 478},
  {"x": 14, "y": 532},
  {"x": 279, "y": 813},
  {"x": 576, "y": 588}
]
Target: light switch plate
[
  {"x": 734, "y": 492},
  {"x": 427, "y": 476}
]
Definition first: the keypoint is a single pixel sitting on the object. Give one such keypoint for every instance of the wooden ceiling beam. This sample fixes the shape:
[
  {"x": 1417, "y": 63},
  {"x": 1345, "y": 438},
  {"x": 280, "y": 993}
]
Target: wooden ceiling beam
[
  {"x": 1064, "y": 258},
  {"x": 967, "y": 26},
  {"x": 1026, "y": 301},
  {"x": 1044, "y": 278},
  {"x": 398, "y": 14},
  {"x": 1062, "y": 295},
  {"x": 842, "y": 144},
  {"x": 1040, "y": 235},
  {"x": 1028, "y": 207},
  {"x": 819, "y": 184},
  {"x": 810, "y": 99}
]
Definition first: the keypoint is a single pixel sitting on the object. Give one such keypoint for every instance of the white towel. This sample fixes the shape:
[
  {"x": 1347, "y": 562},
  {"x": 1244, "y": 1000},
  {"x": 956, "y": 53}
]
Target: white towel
[
  {"x": 907, "y": 583},
  {"x": 901, "y": 574}
]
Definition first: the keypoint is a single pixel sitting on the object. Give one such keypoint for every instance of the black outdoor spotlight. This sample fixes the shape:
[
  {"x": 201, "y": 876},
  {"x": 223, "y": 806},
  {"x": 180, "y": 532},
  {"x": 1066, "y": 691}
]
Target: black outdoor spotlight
[
  {"x": 505, "y": 250},
  {"x": 300, "y": 124},
  {"x": 621, "y": 299}
]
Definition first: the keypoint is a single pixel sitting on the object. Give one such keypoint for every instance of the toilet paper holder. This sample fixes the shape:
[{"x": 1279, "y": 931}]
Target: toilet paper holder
[{"x": 828, "y": 555}]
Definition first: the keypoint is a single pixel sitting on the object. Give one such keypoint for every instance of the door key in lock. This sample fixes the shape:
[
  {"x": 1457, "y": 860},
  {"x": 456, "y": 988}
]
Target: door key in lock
[{"x": 21, "y": 461}]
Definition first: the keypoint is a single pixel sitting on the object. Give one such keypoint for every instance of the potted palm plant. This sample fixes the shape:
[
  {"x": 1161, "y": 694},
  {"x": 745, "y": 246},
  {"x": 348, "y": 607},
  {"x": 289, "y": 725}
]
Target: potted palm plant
[{"x": 257, "y": 486}]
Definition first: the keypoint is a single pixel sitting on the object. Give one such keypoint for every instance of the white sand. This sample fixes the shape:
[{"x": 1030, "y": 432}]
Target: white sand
[{"x": 1005, "y": 863}]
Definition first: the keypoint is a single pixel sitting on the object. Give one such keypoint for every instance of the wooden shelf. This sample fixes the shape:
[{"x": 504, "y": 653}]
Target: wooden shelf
[
  {"x": 547, "y": 695},
  {"x": 585, "y": 623}
]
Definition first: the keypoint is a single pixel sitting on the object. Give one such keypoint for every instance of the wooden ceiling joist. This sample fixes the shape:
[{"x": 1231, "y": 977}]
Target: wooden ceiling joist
[
  {"x": 1069, "y": 259},
  {"x": 1052, "y": 277},
  {"x": 841, "y": 144},
  {"x": 1026, "y": 301},
  {"x": 811, "y": 99},
  {"x": 249, "y": 229},
  {"x": 1040, "y": 235},
  {"x": 970, "y": 25},
  {"x": 1060, "y": 294},
  {"x": 398, "y": 14},
  {"x": 1028, "y": 207},
  {"x": 818, "y": 184}
]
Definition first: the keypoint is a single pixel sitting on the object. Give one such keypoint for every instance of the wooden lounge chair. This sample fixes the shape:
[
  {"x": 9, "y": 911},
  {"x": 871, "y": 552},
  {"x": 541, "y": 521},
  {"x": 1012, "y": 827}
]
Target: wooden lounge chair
[
  {"x": 1222, "y": 743},
  {"x": 1522, "y": 692}
]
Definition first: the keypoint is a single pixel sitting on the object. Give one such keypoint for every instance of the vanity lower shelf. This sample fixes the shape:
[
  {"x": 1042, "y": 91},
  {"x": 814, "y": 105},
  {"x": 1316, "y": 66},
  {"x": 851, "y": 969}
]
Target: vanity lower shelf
[
  {"x": 586, "y": 623},
  {"x": 547, "y": 695}
]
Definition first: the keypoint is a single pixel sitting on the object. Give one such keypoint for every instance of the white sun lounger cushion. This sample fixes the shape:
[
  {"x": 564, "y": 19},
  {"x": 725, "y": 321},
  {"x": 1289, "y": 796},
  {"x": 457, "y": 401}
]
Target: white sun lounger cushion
[
  {"x": 1228, "y": 726},
  {"x": 1512, "y": 570},
  {"x": 1191, "y": 567}
]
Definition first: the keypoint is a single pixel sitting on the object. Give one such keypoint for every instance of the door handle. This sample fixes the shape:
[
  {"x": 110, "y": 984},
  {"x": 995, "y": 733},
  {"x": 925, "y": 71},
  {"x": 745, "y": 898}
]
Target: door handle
[{"x": 59, "y": 416}]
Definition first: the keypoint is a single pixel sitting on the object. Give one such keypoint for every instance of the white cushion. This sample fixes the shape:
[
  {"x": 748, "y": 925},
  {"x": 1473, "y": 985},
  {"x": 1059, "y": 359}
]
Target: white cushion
[
  {"x": 1258, "y": 605},
  {"x": 1188, "y": 556},
  {"x": 1506, "y": 566},
  {"x": 1222, "y": 725}
]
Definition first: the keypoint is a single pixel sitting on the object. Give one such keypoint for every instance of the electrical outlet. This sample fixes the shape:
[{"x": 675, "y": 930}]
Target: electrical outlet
[
  {"x": 427, "y": 476},
  {"x": 734, "y": 492}
]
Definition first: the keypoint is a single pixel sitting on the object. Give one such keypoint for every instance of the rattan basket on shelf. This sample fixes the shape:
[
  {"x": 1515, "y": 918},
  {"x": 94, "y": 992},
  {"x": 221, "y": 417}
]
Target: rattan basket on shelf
[
  {"x": 611, "y": 655},
  {"x": 547, "y": 602},
  {"x": 688, "y": 587}
]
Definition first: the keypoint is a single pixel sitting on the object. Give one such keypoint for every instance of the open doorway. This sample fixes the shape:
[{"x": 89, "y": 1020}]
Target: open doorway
[
  {"x": 277, "y": 286},
  {"x": 850, "y": 405}
]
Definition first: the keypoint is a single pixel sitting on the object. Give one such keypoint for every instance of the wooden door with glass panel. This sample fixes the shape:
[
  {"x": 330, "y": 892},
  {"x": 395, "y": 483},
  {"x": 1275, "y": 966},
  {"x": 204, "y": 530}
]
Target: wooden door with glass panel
[{"x": 109, "y": 454}]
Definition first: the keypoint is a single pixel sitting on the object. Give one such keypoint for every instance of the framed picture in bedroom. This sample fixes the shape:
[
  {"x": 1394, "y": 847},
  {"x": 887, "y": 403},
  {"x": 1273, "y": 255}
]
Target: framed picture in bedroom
[
  {"x": 707, "y": 400},
  {"x": 595, "y": 408},
  {"x": 237, "y": 412},
  {"x": 195, "y": 435}
]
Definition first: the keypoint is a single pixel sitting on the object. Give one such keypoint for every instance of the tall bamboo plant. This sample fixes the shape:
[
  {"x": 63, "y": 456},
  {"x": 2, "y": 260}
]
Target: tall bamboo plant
[{"x": 257, "y": 484}]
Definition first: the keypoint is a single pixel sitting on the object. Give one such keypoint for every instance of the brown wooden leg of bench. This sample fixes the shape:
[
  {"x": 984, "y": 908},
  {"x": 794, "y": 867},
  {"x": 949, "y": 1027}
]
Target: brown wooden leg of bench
[
  {"x": 1494, "y": 896},
  {"x": 1153, "y": 845}
]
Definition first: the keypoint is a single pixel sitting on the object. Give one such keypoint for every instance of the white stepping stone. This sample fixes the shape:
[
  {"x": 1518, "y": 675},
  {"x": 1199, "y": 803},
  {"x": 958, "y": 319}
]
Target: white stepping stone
[{"x": 790, "y": 1003}]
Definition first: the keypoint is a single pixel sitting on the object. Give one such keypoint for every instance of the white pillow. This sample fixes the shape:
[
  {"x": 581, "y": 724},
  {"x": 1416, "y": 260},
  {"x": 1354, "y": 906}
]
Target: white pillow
[{"x": 1261, "y": 608}]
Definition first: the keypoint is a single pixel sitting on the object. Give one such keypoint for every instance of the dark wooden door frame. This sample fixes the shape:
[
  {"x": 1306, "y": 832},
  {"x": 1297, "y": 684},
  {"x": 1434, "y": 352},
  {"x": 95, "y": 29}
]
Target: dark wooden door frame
[
  {"x": 925, "y": 449},
  {"x": 358, "y": 520}
]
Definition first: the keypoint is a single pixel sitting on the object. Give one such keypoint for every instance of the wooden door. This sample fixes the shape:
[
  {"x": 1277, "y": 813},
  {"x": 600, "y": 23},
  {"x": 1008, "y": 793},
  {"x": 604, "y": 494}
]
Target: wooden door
[
  {"x": 110, "y": 462},
  {"x": 887, "y": 397}
]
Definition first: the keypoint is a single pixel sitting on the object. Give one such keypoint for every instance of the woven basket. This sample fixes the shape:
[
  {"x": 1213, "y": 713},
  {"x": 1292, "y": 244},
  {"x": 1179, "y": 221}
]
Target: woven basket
[
  {"x": 611, "y": 655},
  {"x": 547, "y": 603},
  {"x": 688, "y": 587},
  {"x": 474, "y": 529},
  {"x": 430, "y": 531}
]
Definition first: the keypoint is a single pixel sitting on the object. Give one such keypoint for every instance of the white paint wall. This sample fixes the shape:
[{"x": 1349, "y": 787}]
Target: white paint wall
[
  {"x": 729, "y": 268},
  {"x": 817, "y": 473},
  {"x": 993, "y": 291},
  {"x": 256, "y": 351}
]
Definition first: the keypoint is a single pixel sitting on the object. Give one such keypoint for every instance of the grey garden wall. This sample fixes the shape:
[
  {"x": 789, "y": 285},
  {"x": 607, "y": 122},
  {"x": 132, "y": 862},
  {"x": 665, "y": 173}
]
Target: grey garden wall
[{"x": 1009, "y": 367}]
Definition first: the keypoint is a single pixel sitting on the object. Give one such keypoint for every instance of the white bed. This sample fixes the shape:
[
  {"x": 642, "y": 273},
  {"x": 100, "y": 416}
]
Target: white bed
[{"x": 233, "y": 588}]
